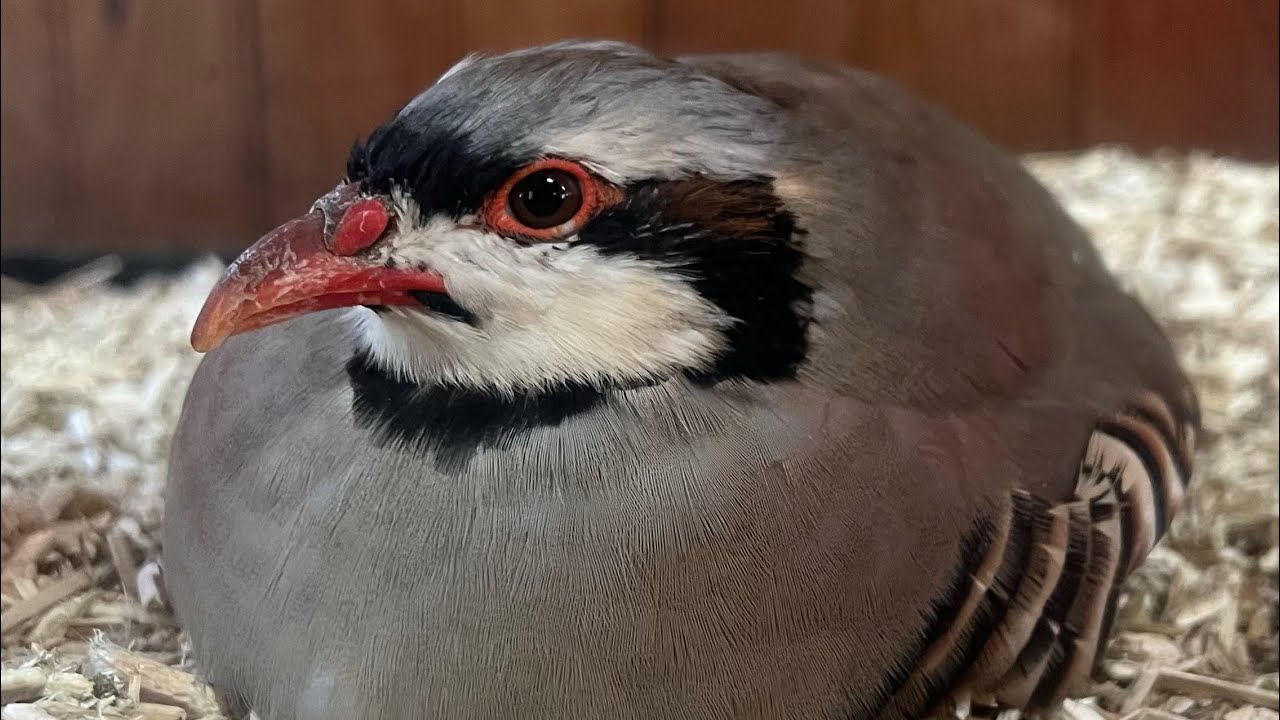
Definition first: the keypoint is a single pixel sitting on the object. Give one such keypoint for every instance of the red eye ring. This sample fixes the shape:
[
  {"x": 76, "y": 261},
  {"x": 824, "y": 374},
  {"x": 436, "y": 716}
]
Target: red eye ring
[{"x": 595, "y": 194}]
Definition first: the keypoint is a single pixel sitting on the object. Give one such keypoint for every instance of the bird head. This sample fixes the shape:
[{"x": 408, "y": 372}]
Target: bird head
[{"x": 575, "y": 213}]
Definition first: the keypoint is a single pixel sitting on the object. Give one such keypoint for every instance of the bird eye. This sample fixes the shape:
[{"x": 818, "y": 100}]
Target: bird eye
[
  {"x": 545, "y": 198},
  {"x": 548, "y": 199}
]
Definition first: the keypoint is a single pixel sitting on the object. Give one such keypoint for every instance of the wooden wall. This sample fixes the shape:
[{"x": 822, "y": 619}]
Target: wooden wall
[{"x": 189, "y": 124}]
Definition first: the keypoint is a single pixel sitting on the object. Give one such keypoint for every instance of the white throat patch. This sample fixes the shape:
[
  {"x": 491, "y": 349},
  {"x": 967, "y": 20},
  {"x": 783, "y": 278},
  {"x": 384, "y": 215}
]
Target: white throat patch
[{"x": 547, "y": 314}]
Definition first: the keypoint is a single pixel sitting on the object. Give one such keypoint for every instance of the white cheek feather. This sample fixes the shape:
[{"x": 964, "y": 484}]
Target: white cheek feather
[{"x": 546, "y": 315}]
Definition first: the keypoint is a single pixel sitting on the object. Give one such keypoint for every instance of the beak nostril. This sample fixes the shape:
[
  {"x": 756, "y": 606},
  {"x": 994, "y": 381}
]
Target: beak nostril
[{"x": 361, "y": 226}]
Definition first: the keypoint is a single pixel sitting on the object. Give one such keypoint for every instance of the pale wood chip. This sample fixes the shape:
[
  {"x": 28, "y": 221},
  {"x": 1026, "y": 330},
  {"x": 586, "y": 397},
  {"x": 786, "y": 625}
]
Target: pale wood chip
[
  {"x": 69, "y": 537},
  {"x": 21, "y": 684},
  {"x": 19, "y": 512},
  {"x": 1076, "y": 710},
  {"x": 51, "y": 628},
  {"x": 64, "y": 587},
  {"x": 1251, "y": 713},
  {"x": 156, "y": 683},
  {"x": 25, "y": 711},
  {"x": 1140, "y": 690},
  {"x": 70, "y": 685},
  {"x": 150, "y": 587},
  {"x": 1153, "y": 714},
  {"x": 155, "y": 711},
  {"x": 121, "y": 553},
  {"x": 1202, "y": 686}
]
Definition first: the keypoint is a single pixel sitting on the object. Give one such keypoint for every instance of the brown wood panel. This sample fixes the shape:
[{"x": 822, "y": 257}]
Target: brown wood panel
[
  {"x": 820, "y": 28},
  {"x": 1180, "y": 73},
  {"x": 333, "y": 70},
  {"x": 490, "y": 25},
  {"x": 34, "y": 134},
  {"x": 1004, "y": 66},
  {"x": 152, "y": 124},
  {"x": 168, "y": 131}
]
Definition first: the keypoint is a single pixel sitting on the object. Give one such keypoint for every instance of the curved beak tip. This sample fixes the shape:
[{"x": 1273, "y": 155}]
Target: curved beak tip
[
  {"x": 201, "y": 342},
  {"x": 210, "y": 328}
]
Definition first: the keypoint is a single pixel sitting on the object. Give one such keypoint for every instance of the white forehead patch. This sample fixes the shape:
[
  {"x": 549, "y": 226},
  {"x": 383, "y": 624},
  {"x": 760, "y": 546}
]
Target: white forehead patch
[{"x": 546, "y": 315}]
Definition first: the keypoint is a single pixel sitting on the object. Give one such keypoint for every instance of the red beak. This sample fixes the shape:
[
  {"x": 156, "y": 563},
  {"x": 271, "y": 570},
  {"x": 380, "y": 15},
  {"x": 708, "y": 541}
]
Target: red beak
[{"x": 295, "y": 269}]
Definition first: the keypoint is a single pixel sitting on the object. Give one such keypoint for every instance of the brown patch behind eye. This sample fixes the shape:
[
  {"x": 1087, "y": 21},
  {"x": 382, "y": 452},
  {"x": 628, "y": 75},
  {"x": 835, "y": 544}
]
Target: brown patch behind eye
[{"x": 728, "y": 209}]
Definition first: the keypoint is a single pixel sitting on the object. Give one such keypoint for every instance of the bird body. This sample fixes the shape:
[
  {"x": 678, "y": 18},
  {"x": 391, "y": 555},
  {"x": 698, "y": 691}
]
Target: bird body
[{"x": 794, "y": 398}]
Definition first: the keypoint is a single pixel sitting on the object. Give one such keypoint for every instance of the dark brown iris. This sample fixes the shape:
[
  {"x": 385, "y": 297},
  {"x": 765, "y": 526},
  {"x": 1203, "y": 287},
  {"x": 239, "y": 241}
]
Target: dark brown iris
[{"x": 545, "y": 199}]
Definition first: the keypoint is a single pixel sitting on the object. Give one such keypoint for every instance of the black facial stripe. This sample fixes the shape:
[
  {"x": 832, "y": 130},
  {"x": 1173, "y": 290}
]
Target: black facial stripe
[
  {"x": 435, "y": 166},
  {"x": 739, "y": 246},
  {"x": 454, "y": 423}
]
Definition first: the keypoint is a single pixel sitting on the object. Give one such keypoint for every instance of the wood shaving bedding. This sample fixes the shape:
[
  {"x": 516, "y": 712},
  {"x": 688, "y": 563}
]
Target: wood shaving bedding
[{"x": 92, "y": 378}]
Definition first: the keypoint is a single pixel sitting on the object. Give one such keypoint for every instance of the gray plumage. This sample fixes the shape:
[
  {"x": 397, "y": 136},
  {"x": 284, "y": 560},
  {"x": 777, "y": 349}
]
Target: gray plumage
[{"x": 983, "y": 437}]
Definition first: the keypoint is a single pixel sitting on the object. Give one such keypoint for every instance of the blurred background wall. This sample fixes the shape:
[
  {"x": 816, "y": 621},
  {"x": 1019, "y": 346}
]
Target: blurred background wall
[{"x": 169, "y": 126}]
